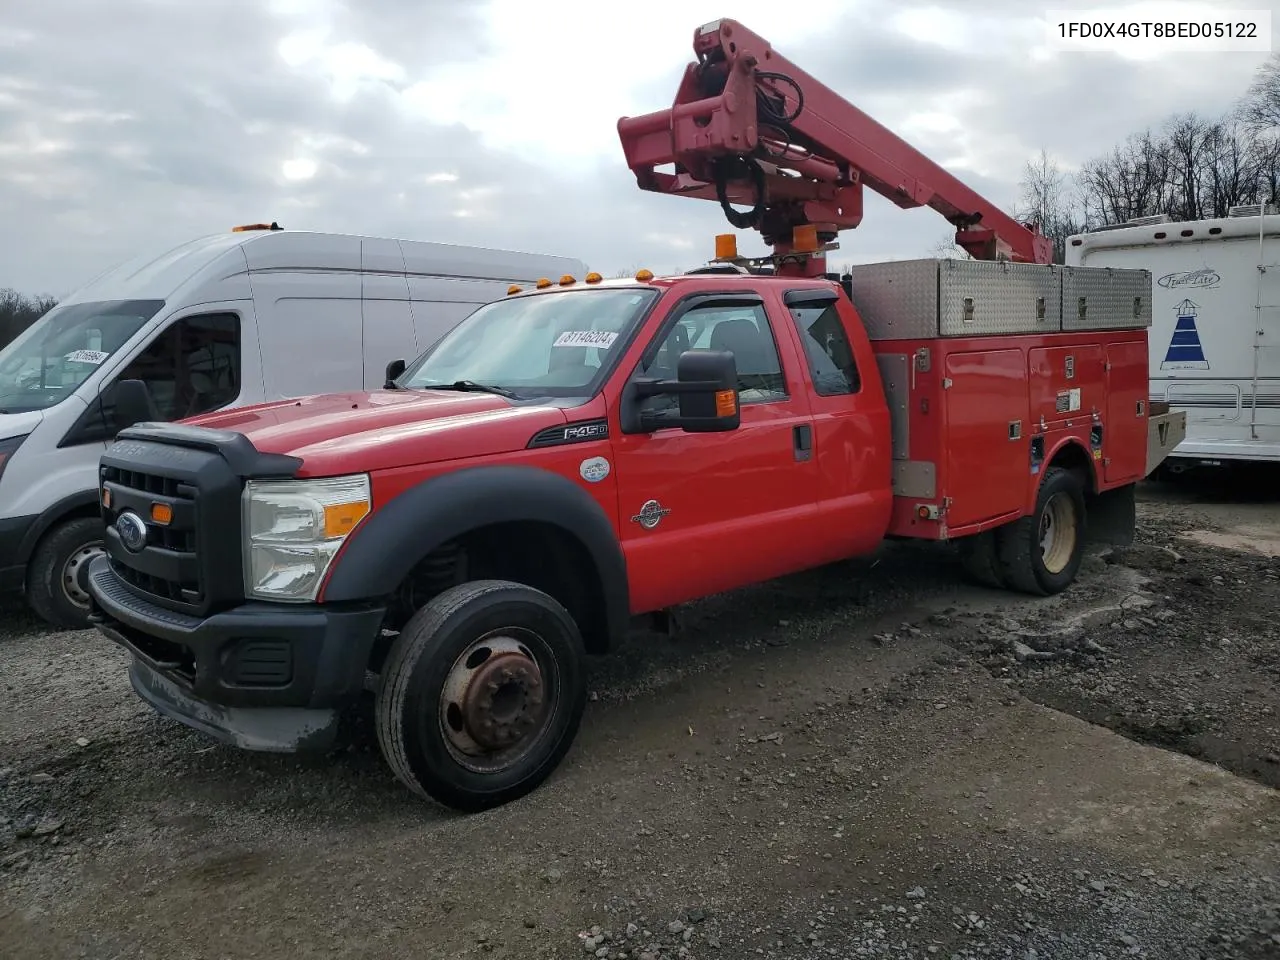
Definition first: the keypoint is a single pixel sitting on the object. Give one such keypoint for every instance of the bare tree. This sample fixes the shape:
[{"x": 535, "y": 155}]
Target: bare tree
[
  {"x": 18, "y": 311},
  {"x": 1261, "y": 106},
  {"x": 1195, "y": 168},
  {"x": 1047, "y": 201},
  {"x": 1131, "y": 181},
  {"x": 947, "y": 249}
]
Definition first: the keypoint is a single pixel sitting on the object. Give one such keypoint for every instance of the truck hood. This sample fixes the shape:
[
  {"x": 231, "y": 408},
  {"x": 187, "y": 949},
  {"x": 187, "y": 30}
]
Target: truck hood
[
  {"x": 19, "y": 424},
  {"x": 383, "y": 429}
]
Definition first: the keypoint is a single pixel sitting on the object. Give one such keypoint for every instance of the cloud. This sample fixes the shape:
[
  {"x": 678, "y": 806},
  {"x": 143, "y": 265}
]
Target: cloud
[{"x": 139, "y": 124}]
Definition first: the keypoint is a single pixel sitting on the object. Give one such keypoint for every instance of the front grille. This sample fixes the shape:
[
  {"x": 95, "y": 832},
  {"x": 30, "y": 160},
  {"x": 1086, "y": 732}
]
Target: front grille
[
  {"x": 179, "y": 591},
  {"x": 167, "y": 567},
  {"x": 193, "y": 564}
]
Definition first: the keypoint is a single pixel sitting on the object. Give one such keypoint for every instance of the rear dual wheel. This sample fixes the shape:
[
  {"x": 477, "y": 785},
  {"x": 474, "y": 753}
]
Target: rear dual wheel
[
  {"x": 482, "y": 694},
  {"x": 1040, "y": 553}
]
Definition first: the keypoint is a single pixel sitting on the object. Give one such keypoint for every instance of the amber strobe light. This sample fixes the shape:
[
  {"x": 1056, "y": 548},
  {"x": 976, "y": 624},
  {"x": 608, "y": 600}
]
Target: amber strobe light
[
  {"x": 804, "y": 238},
  {"x": 161, "y": 513}
]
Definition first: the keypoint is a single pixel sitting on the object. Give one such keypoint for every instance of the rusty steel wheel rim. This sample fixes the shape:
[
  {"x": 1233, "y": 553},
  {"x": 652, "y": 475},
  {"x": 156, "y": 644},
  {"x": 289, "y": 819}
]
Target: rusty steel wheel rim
[
  {"x": 1058, "y": 533},
  {"x": 497, "y": 700}
]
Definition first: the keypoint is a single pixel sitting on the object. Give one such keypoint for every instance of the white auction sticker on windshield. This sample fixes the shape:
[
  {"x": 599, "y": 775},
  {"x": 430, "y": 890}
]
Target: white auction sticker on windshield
[
  {"x": 94, "y": 357},
  {"x": 586, "y": 338}
]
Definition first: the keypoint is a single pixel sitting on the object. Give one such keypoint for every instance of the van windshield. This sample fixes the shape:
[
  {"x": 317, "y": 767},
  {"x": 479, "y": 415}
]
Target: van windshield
[
  {"x": 545, "y": 345},
  {"x": 52, "y": 357}
]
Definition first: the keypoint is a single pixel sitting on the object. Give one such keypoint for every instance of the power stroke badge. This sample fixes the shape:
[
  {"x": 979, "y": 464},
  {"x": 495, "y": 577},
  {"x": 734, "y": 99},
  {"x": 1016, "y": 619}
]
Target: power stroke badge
[{"x": 650, "y": 514}]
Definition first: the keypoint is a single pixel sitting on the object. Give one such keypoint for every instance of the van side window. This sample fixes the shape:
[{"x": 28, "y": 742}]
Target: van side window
[
  {"x": 826, "y": 345},
  {"x": 742, "y": 329},
  {"x": 191, "y": 367}
]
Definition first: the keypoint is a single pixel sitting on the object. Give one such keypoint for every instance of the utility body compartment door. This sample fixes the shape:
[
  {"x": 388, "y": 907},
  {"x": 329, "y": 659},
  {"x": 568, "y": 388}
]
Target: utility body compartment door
[
  {"x": 1124, "y": 450},
  {"x": 987, "y": 436},
  {"x": 701, "y": 513},
  {"x": 1067, "y": 383}
]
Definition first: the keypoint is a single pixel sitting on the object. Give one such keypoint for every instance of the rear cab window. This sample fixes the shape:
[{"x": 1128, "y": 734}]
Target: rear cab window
[{"x": 827, "y": 349}]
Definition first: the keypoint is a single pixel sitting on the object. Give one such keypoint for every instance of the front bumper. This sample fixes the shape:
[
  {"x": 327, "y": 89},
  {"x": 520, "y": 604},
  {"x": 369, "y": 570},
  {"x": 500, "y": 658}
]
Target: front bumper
[{"x": 262, "y": 676}]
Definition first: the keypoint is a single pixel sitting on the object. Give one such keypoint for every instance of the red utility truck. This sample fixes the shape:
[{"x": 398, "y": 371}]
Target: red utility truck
[{"x": 589, "y": 451}]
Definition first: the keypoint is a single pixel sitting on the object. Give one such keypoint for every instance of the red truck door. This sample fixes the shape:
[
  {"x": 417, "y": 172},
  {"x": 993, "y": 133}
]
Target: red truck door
[
  {"x": 701, "y": 513},
  {"x": 851, "y": 423}
]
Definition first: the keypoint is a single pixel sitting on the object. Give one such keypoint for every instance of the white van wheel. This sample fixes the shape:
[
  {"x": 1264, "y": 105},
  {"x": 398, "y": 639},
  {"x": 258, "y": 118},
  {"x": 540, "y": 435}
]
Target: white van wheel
[{"x": 56, "y": 576}]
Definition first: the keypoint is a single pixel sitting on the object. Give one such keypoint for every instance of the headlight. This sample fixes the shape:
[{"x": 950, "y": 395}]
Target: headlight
[{"x": 294, "y": 528}]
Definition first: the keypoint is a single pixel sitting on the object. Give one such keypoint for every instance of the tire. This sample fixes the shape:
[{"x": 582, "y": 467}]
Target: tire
[
  {"x": 1026, "y": 563},
  {"x": 979, "y": 560},
  {"x": 438, "y": 725},
  {"x": 55, "y": 588}
]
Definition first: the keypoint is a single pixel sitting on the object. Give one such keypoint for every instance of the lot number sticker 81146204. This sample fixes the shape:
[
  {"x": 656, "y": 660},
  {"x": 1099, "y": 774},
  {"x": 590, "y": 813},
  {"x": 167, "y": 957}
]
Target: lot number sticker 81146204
[{"x": 586, "y": 338}]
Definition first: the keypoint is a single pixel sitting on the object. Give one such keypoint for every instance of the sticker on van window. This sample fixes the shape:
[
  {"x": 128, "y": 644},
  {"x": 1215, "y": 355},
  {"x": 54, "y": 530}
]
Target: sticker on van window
[
  {"x": 94, "y": 357},
  {"x": 586, "y": 338}
]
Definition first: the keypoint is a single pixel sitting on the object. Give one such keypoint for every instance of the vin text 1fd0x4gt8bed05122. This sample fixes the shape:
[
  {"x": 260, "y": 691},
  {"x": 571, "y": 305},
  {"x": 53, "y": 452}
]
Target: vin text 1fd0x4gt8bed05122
[{"x": 587, "y": 451}]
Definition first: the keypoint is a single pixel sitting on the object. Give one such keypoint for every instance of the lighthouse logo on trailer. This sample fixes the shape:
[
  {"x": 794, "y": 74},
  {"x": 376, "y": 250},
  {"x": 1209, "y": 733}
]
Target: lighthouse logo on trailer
[{"x": 1185, "y": 350}]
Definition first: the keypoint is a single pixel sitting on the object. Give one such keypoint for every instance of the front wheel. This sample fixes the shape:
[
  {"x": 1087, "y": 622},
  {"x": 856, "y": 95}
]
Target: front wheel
[
  {"x": 1041, "y": 553},
  {"x": 57, "y": 587},
  {"x": 482, "y": 694}
]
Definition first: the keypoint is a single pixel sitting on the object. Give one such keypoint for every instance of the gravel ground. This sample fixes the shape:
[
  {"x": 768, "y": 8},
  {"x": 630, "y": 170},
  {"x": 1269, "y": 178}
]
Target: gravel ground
[{"x": 869, "y": 760}]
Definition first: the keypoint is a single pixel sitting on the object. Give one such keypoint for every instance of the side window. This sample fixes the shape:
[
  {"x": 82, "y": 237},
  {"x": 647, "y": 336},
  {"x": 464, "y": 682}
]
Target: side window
[
  {"x": 826, "y": 345},
  {"x": 743, "y": 329},
  {"x": 191, "y": 367}
]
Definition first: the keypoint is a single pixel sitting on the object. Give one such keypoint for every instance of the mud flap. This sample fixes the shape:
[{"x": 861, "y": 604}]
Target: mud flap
[{"x": 1112, "y": 516}]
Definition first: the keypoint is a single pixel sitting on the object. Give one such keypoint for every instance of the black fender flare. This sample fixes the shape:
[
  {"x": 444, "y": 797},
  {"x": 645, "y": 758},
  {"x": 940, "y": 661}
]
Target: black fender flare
[
  {"x": 50, "y": 517},
  {"x": 385, "y": 547}
]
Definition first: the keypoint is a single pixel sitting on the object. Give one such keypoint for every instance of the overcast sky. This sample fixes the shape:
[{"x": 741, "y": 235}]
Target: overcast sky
[{"x": 133, "y": 125}]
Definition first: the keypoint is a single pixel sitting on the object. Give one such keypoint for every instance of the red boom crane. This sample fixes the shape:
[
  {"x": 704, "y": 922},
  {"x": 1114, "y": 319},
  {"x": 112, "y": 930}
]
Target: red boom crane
[{"x": 750, "y": 127}]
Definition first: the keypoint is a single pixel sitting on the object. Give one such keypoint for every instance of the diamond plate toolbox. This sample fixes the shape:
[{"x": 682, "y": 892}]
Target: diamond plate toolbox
[
  {"x": 919, "y": 299},
  {"x": 1103, "y": 298}
]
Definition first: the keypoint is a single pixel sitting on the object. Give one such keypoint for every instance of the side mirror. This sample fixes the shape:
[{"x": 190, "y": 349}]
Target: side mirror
[
  {"x": 127, "y": 402},
  {"x": 394, "y": 369},
  {"x": 706, "y": 386}
]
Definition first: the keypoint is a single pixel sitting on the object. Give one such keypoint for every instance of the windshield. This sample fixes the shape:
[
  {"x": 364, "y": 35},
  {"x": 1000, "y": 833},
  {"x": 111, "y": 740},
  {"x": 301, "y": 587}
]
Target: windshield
[
  {"x": 57, "y": 353},
  {"x": 546, "y": 345}
]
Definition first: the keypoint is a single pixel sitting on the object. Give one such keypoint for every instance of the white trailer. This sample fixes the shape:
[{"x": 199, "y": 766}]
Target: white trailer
[{"x": 1215, "y": 331}]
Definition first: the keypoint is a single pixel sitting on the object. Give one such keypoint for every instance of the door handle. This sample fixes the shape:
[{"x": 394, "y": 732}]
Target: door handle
[{"x": 802, "y": 441}]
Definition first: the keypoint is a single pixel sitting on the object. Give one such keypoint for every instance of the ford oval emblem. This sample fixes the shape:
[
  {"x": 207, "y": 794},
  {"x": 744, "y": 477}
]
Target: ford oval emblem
[{"x": 132, "y": 530}]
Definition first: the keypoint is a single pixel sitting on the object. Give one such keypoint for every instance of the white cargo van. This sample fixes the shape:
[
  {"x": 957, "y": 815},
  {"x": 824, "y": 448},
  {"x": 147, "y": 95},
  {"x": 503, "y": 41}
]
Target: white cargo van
[
  {"x": 1215, "y": 331},
  {"x": 252, "y": 315}
]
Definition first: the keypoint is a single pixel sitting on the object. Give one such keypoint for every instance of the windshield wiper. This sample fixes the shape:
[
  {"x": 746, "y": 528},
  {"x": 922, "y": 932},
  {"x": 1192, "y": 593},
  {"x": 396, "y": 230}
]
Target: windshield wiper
[{"x": 470, "y": 386}]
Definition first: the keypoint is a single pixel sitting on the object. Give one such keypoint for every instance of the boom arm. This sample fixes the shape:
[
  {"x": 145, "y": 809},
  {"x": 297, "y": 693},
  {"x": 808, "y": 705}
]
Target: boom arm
[{"x": 749, "y": 127}]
